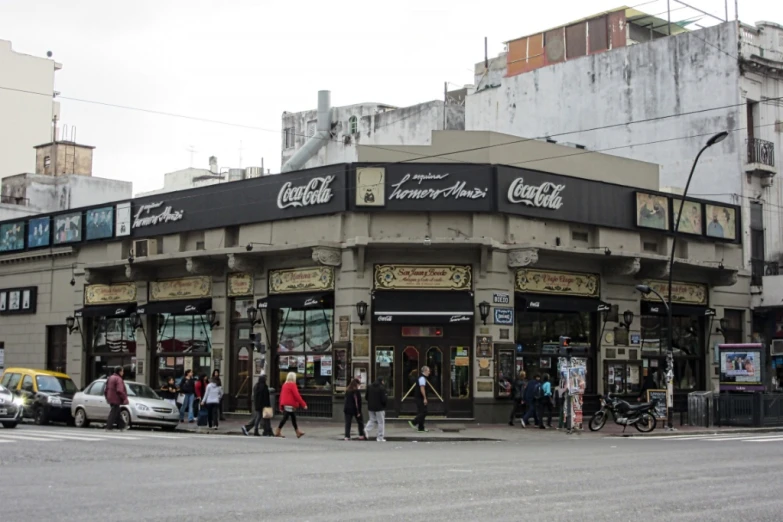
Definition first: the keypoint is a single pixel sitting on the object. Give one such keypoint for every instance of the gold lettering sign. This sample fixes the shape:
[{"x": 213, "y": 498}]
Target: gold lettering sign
[
  {"x": 423, "y": 277},
  {"x": 186, "y": 288},
  {"x": 560, "y": 283},
  {"x": 683, "y": 293},
  {"x": 110, "y": 294},
  {"x": 240, "y": 284},
  {"x": 301, "y": 280}
]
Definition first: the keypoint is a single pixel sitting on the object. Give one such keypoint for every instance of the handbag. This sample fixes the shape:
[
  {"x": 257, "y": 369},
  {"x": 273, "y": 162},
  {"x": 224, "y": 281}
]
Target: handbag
[
  {"x": 181, "y": 398},
  {"x": 267, "y": 413}
]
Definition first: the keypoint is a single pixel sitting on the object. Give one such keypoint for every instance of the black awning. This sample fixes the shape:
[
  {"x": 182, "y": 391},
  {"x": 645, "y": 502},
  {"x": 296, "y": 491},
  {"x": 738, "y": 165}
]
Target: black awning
[
  {"x": 183, "y": 307},
  {"x": 557, "y": 303},
  {"x": 297, "y": 301},
  {"x": 115, "y": 310},
  {"x": 423, "y": 307},
  {"x": 679, "y": 310}
]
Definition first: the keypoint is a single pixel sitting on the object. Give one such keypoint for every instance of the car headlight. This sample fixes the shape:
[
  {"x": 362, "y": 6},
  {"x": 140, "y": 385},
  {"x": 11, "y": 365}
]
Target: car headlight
[
  {"x": 55, "y": 401},
  {"x": 19, "y": 401},
  {"x": 141, "y": 407}
]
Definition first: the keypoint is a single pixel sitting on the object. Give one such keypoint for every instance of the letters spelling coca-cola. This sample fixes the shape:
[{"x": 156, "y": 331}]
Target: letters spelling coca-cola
[
  {"x": 317, "y": 191},
  {"x": 545, "y": 195}
]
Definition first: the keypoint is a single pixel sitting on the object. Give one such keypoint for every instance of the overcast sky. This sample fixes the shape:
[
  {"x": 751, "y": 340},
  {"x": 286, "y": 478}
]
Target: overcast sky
[{"x": 244, "y": 62}]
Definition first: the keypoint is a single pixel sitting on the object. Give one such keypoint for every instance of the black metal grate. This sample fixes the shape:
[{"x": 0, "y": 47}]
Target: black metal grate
[{"x": 761, "y": 151}]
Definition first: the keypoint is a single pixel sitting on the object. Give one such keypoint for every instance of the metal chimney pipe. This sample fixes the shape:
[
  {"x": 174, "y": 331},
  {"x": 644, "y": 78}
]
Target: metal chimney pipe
[{"x": 319, "y": 139}]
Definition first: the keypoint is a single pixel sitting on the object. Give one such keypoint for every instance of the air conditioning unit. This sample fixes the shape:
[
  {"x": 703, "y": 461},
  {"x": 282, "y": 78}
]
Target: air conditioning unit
[
  {"x": 145, "y": 247},
  {"x": 777, "y": 347}
]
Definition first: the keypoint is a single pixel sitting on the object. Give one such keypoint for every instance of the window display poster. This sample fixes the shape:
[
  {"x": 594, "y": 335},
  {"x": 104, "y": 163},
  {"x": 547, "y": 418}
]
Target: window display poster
[
  {"x": 383, "y": 358},
  {"x": 326, "y": 365},
  {"x": 361, "y": 375},
  {"x": 740, "y": 366},
  {"x": 310, "y": 366},
  {"x": 300, "y": 364},
  {"x": 284, "y": 364}
]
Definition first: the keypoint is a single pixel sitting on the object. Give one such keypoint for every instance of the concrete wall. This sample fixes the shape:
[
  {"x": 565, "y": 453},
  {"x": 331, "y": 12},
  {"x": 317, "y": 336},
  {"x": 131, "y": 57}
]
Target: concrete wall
[
  {"x": 26, "y": 118},
  {"x": 49, "y": 194},
  {"x": 376, "y": 125},
  {"x": 71, "y": 159}
]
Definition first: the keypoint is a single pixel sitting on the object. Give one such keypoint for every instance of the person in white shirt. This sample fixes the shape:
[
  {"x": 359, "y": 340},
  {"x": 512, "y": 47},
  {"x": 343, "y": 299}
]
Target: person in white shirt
[{"x": 212, "y": 397}]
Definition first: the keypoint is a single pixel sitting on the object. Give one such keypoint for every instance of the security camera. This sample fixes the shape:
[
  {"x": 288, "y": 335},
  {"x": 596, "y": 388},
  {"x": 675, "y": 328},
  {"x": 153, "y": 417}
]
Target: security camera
[{"x": 427, "y": 241}]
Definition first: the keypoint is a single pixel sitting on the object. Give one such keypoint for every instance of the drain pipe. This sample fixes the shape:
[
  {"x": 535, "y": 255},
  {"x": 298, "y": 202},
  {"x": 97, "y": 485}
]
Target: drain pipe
[{"x": 319, "y": 139}]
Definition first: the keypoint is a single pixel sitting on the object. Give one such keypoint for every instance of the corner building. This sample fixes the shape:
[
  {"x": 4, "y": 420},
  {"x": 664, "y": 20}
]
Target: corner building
[{"x": 377, "y": 269}]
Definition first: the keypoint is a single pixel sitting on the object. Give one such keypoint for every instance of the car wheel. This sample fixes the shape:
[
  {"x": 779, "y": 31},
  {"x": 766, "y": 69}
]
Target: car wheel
[
  {"x": 39, "y": 417},
  {"x": 9, "y": 425},
  {"x": 80, "y": 419},
  {"x": 126, "y": 418}
]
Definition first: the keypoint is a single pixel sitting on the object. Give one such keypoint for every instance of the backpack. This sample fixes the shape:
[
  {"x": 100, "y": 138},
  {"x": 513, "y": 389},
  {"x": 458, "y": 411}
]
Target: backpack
[{"x": 538, "y": 391}]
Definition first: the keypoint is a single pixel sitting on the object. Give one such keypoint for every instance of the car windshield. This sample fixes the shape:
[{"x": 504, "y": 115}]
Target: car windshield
[
  {"x": 48, "y": 383},
  {"x": 141, "y": 391}
]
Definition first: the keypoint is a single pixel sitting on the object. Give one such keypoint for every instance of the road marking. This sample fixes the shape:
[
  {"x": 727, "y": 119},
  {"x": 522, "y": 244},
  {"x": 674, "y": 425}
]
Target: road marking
[
  {"x": 672, "y": 437},
  {"x": 14, "y": 438},
  {"x": 768, "y": 439}
]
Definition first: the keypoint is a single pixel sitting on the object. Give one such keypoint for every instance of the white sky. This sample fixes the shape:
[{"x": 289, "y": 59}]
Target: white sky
[{"x": 246, "y": 61}]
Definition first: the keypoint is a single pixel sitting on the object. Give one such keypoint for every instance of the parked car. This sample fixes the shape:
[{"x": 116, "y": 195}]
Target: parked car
[
  {"x": 145, "y": 407},
  {"x": 46, "y": 395},
  {"x": 10, "y": 408}
]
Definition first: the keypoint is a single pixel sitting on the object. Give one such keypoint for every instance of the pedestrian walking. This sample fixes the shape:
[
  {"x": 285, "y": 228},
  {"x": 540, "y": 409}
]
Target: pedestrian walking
[
  {"x": 531, "y": 390},
  {"x": 420, "y": 394},
  {"x": 212, "y": 397},
  {"x": 544, "y": 402},
  {"x": 517, "y": 397},
  {"x": 188, "y": 389},
  {"x": 263, "y": 405},
  {"x": 352, "y": 408},
  {"x": 376, "y": 408},
  {"x": 216, "y": 375},
  {"x": 168, "y": 392},
  {"x": 117, "y": 397},
  {"x": 290, "y": 400}
]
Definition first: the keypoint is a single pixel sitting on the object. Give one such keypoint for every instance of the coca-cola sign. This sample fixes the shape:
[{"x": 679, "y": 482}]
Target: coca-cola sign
[
  {"x": 317, "y": 191},
  {"x": 543, "y": 195}
]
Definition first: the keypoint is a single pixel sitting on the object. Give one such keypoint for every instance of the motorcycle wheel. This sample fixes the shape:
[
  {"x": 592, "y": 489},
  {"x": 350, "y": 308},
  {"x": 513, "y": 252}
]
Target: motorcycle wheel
[
  {"x": 598, "y": 421},
  {"x": 646, "y": 423}
]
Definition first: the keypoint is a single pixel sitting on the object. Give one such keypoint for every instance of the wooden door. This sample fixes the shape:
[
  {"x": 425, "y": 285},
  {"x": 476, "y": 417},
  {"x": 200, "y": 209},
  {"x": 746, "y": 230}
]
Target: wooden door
[{"x": 57, "y": 348}]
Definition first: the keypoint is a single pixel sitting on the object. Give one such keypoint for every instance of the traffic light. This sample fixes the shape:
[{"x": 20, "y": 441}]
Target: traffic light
[{"x": 565, "y": 341}]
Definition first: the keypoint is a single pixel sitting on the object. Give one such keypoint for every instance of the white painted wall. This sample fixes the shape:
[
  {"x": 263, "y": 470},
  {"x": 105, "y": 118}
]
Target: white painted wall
[{"x": 25, "y": 119}]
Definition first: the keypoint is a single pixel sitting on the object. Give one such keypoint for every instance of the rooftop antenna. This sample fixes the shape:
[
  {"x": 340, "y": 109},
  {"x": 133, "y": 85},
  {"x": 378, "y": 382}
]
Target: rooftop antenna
[{"x": 192, "y": 151}]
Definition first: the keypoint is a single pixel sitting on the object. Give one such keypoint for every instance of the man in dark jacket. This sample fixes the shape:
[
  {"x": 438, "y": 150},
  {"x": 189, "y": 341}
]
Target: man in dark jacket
[
  {"x": 530, "y": 400},
  {"x": 517, "y": 397},
  {"x": 116, "y": 396},
  {"x": 188, "y": 388},
  {"x": 376, "y": 406},
  {"x": 261, "y": 400}
]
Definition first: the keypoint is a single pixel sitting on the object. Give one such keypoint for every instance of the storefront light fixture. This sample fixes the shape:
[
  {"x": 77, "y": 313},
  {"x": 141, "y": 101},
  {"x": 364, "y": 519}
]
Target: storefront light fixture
[
  {"x": 252, "y": 314},
  {"x": 627, "y": 319},
  {"x": 484, "y": 311},
  {"x": 70, "y": 323},
  {"x": 724, "y": 325},
  {"x": 135, "y": 320},
  {"x": 361, "y": 311},
  {"x": 212, "y": 321}
]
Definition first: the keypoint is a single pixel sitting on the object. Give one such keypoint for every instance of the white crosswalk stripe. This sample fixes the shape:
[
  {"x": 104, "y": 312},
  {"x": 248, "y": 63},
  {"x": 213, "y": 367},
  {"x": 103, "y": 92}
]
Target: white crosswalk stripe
[
  {"x": 93, "y": 435},
  {"x": 715, "y": 437}
]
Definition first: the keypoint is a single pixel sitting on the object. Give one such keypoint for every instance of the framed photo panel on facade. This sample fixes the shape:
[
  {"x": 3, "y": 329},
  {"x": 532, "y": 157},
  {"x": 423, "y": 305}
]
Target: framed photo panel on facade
[
  {"x": 100, "y": 223},
  {"x": 68, "y": 228},
  {"x": 39, "y": 232},
  {"x": 721, "y": 222},
  {"x": 652, "y": 211},
  {"x": 692, "y": 220},
  {"x": 3, "y": 301},
  {"x": 123, "y": 219},
  {"x": 12, "y": 237}
]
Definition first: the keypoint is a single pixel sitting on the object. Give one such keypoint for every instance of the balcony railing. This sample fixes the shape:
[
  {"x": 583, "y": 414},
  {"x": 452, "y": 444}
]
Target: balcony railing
[
  {"x": 761, "y": 151},
  {"x": 761, "y": 268}
]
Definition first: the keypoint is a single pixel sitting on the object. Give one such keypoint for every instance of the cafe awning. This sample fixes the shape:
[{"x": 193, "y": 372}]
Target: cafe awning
[
  {"x": 680, "y": 310},
  {"x": 423, "y": 307},
  {"x": 182, "y": 307},
  {"x": 556, "y": 303},
  {"x": 297, "y": 301},
  {"x": 115, "y": 310}
]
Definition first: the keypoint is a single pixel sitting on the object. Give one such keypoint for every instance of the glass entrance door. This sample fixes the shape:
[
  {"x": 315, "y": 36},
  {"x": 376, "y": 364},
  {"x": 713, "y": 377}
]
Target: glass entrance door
[{"x": 414, "y": 357}]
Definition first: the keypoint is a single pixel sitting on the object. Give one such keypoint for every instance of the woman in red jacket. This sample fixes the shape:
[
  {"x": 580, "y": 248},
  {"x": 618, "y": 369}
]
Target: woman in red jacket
[{"x": 289, "y": 401}]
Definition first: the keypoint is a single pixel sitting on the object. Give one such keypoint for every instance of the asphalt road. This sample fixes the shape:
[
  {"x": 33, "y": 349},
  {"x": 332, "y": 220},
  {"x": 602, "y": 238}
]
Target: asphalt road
[{"x": 58, "y": 473}]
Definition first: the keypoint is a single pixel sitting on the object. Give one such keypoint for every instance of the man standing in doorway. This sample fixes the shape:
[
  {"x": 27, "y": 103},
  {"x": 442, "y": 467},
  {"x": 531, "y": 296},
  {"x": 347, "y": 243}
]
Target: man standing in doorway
[
  {"x": 421, "y": 401},
  {"x": 116, "y": 396},
  {"x": 188, "y": 388}
]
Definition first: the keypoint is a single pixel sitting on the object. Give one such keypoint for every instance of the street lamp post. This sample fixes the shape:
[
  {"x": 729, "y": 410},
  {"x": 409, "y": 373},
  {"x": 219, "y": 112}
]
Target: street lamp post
[
  {"x": 717, "y": 138},
  {"x": 647, "y": 290}
]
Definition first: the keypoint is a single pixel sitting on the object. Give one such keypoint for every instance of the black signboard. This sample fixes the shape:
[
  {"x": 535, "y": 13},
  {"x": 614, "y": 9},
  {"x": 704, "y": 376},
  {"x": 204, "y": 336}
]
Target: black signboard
[
  {"x": 417, "y": 187},
  {"x": 268, "y": 198},
  {"x": 551, "y": 196},
  {"x": 661, "y": 411}
]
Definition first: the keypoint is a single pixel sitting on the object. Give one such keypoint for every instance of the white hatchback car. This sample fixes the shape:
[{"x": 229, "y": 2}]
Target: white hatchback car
[{"x": 144, "y": 408}]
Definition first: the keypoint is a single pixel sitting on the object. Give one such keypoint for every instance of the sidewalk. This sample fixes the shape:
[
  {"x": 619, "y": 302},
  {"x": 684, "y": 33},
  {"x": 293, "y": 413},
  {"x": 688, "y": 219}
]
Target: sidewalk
[{"x": 470, "y": 432}]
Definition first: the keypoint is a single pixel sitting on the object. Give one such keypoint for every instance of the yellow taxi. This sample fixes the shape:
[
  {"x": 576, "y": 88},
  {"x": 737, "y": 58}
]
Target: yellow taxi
[{"x": 46, "y": 395}]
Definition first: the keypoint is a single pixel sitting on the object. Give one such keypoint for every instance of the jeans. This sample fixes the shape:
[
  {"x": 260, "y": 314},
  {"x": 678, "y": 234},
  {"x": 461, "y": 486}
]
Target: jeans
[
  {"x": 348, "y": 420},
  {"x": 115, "y": 418},
  {"x": 421, "y": 413},
  {"x": 213, "y": 410},
  {"x": 187, "y": 403},
  {"x": 544, "y": 406},
  {"x": 379, "y": 418},
  {"x": 531, "y": 412}
]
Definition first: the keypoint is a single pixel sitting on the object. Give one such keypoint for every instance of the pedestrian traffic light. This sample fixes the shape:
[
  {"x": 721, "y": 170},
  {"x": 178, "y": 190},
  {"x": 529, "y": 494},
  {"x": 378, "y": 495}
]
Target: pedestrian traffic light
[{"x": 565, "y": 341}]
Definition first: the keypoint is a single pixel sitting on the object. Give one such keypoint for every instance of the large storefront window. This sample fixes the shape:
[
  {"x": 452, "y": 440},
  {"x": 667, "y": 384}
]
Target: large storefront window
[
  {"x": 538, "y": 335},
  {"x": 113, "y": 344},
  {"x": 184, "y": 342},
  {"x": 304, "y": 347},
  {"x": 687, "y": 346}
]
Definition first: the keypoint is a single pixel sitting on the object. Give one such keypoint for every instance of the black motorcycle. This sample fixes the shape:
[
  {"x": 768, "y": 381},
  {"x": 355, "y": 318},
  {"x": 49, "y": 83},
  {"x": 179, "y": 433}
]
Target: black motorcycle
[{"x": 638, "y": 415}]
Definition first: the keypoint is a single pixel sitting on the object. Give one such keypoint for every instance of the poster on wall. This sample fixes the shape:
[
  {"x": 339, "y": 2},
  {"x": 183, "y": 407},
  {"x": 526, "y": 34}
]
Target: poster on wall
[
  {"x": 38, "y": 232},
  {"x": 3, "y": 301},
  {"x": 721, "y": 222},
  {"x": 326, "y": 365},
  {"x": 652, "y": 211},
  {"x": 12, "y": 237},
  {"x": 692, "y": 219},
  {"x": 100, "y": 223},
  {"x": 123, "y": 219},
  {"x": 740, "y": 366},
  {"x": 68, "y": 228}
]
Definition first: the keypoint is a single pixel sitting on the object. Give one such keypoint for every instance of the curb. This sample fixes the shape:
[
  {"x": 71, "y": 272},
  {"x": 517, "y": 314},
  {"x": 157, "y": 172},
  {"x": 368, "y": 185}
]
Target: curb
[{"x": 698, "y": 432}]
